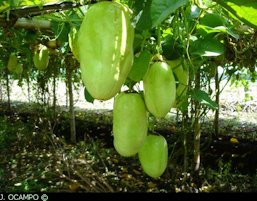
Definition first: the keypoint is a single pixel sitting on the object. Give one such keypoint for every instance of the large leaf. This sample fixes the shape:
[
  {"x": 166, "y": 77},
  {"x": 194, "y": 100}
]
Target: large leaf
[
  {"x": 161, "y": 9},
  {"x": 144, "y": 22},
  {"x": 205, "y": 30},
  {"x": 245, "y": 10},
  {"x": 207, "y": 47},
  {"x": 214, "y": 23},
  {"x": 203, "y": 98}
]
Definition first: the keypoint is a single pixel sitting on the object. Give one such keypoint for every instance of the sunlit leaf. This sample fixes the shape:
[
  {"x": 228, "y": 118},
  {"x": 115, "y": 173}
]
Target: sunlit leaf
[
  {"x": 207, "y": 47},
  {"x": 218, "y": 29},
  {"x": 245, "y": 10}
]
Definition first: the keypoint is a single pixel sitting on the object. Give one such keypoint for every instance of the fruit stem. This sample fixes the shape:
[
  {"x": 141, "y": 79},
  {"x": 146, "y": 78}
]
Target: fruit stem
[{"x": 159, "y": 46}]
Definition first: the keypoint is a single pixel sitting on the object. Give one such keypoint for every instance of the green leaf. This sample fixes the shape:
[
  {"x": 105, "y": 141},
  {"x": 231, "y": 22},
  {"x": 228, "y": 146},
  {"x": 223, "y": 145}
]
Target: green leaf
[
  {"x": 213, "y": 23},
  {"x": 61, "y": 30},
  {"x": 4, "y": 5},
  {"x": 144, "y": 21},
  {"x": 172, "y": 48},
  {"x": 161, "y": 9},
  {"x": 207, "y": 47},
  {"x": 138, "y": 40},
  {"x": 205, "y": 30},
  {"x": 182, "y": 104},
  {"x": 203, "y": 98},
  {"x": 88, "y": 97},
  {"x": 212, "y": 20},
  {"x": 244, "y": 10},
  {"x": 140, "y": 66}
]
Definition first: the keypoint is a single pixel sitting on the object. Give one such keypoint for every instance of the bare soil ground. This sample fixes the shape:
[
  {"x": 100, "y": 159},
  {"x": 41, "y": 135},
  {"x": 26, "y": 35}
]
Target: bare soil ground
[
  {"x": 61, "y": 167},
  {"x": 233, "y": 103}
]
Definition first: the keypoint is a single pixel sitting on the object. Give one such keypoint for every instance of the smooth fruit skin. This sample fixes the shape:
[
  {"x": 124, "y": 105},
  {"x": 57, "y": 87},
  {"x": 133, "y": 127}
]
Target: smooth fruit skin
[
  {"x": 73, "y": 36},
  {"x": 130, "y": 123},
  {"x": 12, "y": 62},
  {"x": 153, "y": 155},
  {"x": 41, "y": 58},
  {"x": 182, "y": 77},
  {"x": 105, "y": 48},
  {"x": 159, "y": 89},
  {"x": 19, "y": 69}
]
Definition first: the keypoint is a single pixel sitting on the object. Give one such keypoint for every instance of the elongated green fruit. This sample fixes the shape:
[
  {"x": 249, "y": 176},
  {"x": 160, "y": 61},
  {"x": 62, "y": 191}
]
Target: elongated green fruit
[
  {"x": 159, "y": 89},
  {"x": 19, "y": 69},
  {"x": 12, "y": 62},
  {"x": 105, "y": 48},
  {"x": 130, "y": 123},
  {"x": 73, "y": 36},
  {"x": 153, "y": 155},
  {"x": 41, "y": 58},
  {"x": 181, "y": 75}
]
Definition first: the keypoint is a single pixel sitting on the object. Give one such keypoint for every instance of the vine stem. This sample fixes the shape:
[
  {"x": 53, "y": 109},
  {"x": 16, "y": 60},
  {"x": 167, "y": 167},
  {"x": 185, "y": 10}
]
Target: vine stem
[
  {"x": 13, "y": 15},
  {"x": 159, "y": 37},
  {"x": 29, "y": 11}
]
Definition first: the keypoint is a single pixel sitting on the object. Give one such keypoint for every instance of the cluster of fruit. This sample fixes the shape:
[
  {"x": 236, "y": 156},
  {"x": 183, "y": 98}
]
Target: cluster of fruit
[
  {"x": 104, "y": 48},
  {"x": 40, "y": 60}
]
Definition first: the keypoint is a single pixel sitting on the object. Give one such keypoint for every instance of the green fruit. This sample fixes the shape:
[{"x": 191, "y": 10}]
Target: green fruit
[
  {"x": 12, "y": 62},
  {"x": 159, "y": 89},
  {"x": 52, "y": 44},
  {"x": 153, "y": 155},
  {"x": 73, "y": 35},
  {"x": 130, "y": 123},
  {"x": 181, "y": 75},
  {"x": 19, "y": 69},
  {"x": 105, "y": 48},
  {"x": 41, "y": 58}
]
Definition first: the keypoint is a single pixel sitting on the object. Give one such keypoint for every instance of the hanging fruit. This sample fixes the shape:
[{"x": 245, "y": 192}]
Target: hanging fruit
[
  {"x": 153, "y": 155},
  {"x": 73, "y": 37},
  {"x": 105, "y": 48},
  {"x": 12, "y": 62},
  {"x": 130, "y": 123},
  {"x": 41, "y": 57},
  {"x": 182, "y": 78},
  {"x": 159, "y": 88}
]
